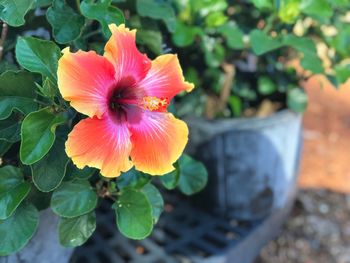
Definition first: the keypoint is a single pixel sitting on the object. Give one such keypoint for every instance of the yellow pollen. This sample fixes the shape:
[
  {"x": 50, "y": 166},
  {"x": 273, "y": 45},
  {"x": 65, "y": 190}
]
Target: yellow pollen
[{"x": 153, "y": 103}]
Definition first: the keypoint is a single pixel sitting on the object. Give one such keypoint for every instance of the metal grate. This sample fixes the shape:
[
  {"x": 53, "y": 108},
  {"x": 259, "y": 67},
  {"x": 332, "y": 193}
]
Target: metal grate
[{"x": 184, "y": 233}]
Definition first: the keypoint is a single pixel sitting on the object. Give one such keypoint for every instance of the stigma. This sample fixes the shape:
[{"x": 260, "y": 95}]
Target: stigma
[{"x": 153, "y": 103}]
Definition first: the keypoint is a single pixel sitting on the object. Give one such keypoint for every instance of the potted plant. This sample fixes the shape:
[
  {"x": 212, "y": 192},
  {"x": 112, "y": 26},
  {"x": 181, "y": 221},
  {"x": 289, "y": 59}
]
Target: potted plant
[
  {"x": 250, "y": 59},
  {"x": 80, "y": 106}
]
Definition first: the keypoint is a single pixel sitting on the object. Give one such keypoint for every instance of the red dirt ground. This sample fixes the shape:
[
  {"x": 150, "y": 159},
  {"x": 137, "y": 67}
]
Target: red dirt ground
[{"x": 326, "y": 156}]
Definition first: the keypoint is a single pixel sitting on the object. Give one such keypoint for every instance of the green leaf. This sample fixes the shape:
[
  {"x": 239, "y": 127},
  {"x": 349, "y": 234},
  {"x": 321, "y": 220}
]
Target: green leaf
[
  {"x": 10, "y": 129},
  {"x": 313, "y": 63},
  {"x": 13, "y": 189},
  {"x": 35, "y": 145},
  {"x": 235, "y": 104},
  {"x": 74, "y": 198},
  {"x": 13, "y": 11},
  {"x": 289, "y": 11},
  {"x": 342, "y": 73},
  {"x": 76, "y": 231},
  {"x": 266, "y": 86},
  {"x": 103, "y": 12},
  {"x": 48, "y": 89},
  {"x": 310, "y": 59},
  {"x": 262, "y": 43},
  {"x": 39, "y": 199},
  {"x": 263, "y": 4},
  {"x": 66, "y": 24},
  {"x": 134, "y": 214},
  {"x": 234, "y": 36},
  {"x": 4, "y": 147},
  {"x": 37, "y": 55},
  {"x": 48, "y": 173},
  {"x": 41, "y": 3},
  {"x": 76, "y": 173},
  {"x": 301, "y": 44},
  {"x": 157, "y": 9},
  {"x": 18, "y": 229},
  {"x": 214, "y": 52},
  {"x": 151, "y": 38},
  {"x": 133, "y": 178},
  {"x": 215, "y": 19},
  {"x": 318, "y": 8},
  {"x": 297, "y": 100},
  {"x": 155, "y": 199},
  {"x": 193, "y": 175},
  {"x": 17, "y": 91},
  {"x": 184, "y": 35},
  {"x": 170, "y": 180}
]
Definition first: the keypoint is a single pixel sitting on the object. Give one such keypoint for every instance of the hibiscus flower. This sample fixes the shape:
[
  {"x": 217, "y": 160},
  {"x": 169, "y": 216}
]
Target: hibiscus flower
[{"x": 125, "y": 96}]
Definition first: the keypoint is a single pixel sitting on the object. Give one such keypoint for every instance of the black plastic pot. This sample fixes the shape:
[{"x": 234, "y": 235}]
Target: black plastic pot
[{"x": 252, "y": 162}]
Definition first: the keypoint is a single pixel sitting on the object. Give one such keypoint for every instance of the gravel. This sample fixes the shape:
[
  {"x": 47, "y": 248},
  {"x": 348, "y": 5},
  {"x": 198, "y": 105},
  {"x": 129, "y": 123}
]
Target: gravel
[{"x": 318, "y": 231}]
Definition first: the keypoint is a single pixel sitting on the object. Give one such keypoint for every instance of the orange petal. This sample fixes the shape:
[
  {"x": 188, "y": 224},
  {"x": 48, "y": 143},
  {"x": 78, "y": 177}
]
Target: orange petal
[
  {"x": 158, "y": 140},
  {"x": 165, "y": 79},
  {"x": 100, "y": 143},
  {"x": 131, "y": 66},
  {"x": 84, "y": 79}
]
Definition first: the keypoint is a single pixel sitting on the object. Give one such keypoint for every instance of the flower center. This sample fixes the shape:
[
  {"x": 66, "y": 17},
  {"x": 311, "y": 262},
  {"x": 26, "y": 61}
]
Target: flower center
[
  {"x": 129, "y": 97},
  {"x": 153, "y": 103}
]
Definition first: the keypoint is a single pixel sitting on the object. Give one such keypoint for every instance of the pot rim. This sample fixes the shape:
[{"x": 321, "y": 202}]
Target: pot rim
[{"x": 251, "y": 123}]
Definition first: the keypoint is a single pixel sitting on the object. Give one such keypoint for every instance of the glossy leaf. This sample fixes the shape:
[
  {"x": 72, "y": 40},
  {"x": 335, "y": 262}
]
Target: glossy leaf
[
  {"x": 262, "y": 43},
  {"x": 235, "y": 104},
  {"x": 170, "y": 180},
  {"x": 134, "y": 214},
  {"x": 48, "y": 89},
  {"x": 297, "y": 100},
  {"x": 155, "y": 199},
  {"x": 184, "y": 35},
  {"x": 4, "y": 147},
  {"x": 73, "y": 198},
  {"x": 103, "y": 12},
  {"x": 38, "y": 55},
  {"x": 310, "y": 59},
  {"x": 214, "y": 52},
  {"x": 234, "y": 36},
  {"x": 17, "y": 92},
  {"x": 18, "y": 229},
  {"x": 74, "y": 172},
  {"x": 266, "y": 86},
  {"x": 65, "y": 22},
  {"x": 13, "y": 11},
  {"x": 48, "y": 173},
  {"x": 289, "y": 11},
  {"x": 150, "y": 38},
  {"x": 342, "y": 73},
  {"x": 318, "y": 8},
  {"x": 13, "y": 189},
  {"x": 76, "y": 231},
  {"x": 215, "y": 19},
  {"x": 193, "y": 175},
  {"x": 35, "y": 145},
  {"x": 133, "y": 178},
  {"x": 158, "y": 10},
  {"x": 41, "y": 3},
  {"x": 10, "y": 129},
  {"x": 263, "y": 4}
]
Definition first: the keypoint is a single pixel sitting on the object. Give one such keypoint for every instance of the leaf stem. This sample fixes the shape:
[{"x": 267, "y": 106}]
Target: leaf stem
[
  {"x": 3, "y": 38},
  {"x": 78, "y": 5}
]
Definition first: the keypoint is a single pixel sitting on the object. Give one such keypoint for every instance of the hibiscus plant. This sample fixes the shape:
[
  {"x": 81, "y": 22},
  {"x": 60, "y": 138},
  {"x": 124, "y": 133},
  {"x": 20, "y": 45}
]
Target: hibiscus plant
[
  {"x": 251, "y": 57},
  {"x": 85, "y": 116}
]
